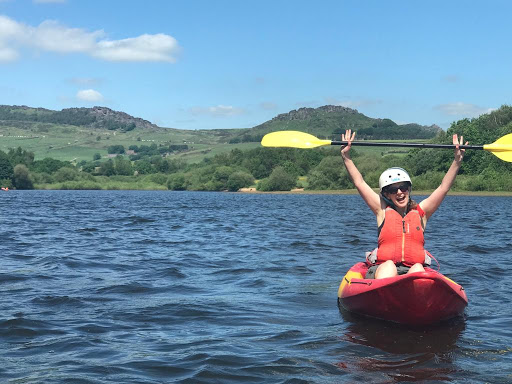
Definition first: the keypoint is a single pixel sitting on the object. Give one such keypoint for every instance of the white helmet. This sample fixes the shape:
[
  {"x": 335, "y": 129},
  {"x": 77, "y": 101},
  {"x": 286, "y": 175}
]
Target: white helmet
[{"x": 393, "y": 175}]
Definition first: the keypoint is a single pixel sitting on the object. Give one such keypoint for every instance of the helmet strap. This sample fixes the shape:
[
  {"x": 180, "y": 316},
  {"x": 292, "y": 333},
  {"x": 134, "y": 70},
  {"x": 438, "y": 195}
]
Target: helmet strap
[
  {"x": 392, "y": 205},
  {"x": 387, "y": 201}
]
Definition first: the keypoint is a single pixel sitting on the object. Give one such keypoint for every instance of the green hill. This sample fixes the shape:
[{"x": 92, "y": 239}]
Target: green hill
[
  {"x": 81, "y": 133},
  {"x": 329, "y": 121}
]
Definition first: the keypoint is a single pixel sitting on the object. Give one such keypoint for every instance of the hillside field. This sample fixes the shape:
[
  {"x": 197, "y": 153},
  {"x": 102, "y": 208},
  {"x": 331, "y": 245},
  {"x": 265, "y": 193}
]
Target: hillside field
[{"x": 72, "y": 143}]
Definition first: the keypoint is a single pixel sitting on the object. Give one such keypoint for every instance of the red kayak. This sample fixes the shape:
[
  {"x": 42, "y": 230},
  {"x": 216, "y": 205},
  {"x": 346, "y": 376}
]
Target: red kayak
[{"x": 419, "y": 298}]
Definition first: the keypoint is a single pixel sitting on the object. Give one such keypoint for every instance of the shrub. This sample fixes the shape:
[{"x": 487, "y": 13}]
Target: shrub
[
  {"x": 22, "y": 179},
  {"x": 239, "y": 179},
  {"x": 123, "y": 166},
  {"x": 176, "y": 182},
  {"x": 279, "y": 180},
  {"x": 115, "y": 149},
  {"x": 66, "y": 174},
  {"x": 6, "y": 168},
  {"x": 107, "y": 168},
  {"x": 157, "y": 178},
  {"x": 48, "y": 165},
  {"x": 427, "y": 181},
  {"x": 329, "y": 174},
  {"x": 143, "y": 167},
  {"x": 42, "y": 178},
  {"x": 6, "y": 183}
]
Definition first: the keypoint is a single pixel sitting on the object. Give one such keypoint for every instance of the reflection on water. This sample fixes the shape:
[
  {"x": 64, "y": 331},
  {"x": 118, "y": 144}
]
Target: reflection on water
[{"x": 409, "y": 354}]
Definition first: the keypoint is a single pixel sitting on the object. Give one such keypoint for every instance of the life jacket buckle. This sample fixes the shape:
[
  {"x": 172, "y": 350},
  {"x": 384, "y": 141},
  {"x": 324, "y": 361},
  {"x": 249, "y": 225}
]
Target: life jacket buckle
[
  {"x": 428, "y": 259},
  {"x": 371, "y": 257}
]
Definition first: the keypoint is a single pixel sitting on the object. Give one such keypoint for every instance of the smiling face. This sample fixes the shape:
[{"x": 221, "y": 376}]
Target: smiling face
[{"x": 398, "y": 193}]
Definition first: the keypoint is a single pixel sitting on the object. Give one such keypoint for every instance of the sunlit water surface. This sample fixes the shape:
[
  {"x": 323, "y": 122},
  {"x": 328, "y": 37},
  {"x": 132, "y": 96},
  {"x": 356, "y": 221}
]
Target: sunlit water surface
[{"x": 153, "y": 287}]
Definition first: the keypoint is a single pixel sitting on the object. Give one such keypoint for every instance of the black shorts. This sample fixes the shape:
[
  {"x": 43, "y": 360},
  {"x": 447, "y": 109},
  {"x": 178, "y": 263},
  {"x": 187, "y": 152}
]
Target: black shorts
[{"x": 400, "y": 268}]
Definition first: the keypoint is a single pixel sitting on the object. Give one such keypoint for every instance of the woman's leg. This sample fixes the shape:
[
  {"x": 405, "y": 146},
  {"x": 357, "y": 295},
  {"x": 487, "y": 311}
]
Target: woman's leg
[
  {"x": 386, "y": 269},
  {"x": 416, "y": 268}
]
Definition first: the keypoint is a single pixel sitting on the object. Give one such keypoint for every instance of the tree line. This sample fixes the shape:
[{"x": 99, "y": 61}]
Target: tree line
[{"x": 270, "y": 169}]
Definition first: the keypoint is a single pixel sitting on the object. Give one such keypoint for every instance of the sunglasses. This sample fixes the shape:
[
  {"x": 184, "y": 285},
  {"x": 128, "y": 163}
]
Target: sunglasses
[{"x": 394, "y": 188}]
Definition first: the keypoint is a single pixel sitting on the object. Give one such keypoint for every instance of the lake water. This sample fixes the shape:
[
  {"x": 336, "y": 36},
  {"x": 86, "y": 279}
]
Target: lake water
[{"x": 156, "y": 287}]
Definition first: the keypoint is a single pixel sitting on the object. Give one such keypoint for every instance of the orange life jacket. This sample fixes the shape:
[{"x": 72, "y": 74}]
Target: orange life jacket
[{"x": 401, "y": 238}]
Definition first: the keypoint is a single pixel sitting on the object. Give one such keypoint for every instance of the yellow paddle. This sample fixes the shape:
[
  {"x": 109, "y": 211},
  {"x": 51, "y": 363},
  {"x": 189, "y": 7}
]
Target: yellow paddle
[{"x": 502, "y": 148}]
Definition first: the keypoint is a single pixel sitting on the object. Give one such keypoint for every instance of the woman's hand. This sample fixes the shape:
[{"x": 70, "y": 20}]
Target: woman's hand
[
  {"x": 459, "y": 153},
  {"x": 348, "y": 137}
]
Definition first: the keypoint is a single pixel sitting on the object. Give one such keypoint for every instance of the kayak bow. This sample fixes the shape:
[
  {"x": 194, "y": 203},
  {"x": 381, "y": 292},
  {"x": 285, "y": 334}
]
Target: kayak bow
[{"x": 419, "y": 298}]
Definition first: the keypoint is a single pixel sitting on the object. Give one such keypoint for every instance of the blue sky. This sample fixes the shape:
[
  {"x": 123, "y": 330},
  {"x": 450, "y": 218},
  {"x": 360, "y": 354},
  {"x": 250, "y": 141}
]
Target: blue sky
[{"x": 201, "y": 64}]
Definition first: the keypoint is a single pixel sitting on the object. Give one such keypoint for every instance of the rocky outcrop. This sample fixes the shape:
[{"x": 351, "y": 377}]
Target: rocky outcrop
[
  {"x": 307, "y": 113},
  {"x": 103, "y": 114},
  {"x": 98, "y": 117}
]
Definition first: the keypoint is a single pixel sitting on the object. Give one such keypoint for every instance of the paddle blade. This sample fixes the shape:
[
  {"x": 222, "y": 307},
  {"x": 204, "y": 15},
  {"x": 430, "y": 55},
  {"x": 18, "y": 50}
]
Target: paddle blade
[
  {"x": 292, "y": 139},
  {"x": 502, "y": 148}
]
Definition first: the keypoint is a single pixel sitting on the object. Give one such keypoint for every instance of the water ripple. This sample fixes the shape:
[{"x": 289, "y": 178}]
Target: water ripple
[{"x": 153, "y": 287}]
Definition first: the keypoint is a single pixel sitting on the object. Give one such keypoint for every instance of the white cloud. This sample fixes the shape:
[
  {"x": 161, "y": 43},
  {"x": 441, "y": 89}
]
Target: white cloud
[
  {"x": 51, "y": 36},
  {"x": 158, "y": 47},
  {"x": 218, "y": 111},
  {"x": 89, "y": 95},
  {"x": 462, "y": 109},
  {"x": 8, "y": 54},
  {"x": 10, "y": 29}
]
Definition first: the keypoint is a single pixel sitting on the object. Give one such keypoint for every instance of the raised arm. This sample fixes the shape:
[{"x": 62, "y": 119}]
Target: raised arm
[
  {"x": 369, "y": 196},
  {"x": 431, "y": 203}
]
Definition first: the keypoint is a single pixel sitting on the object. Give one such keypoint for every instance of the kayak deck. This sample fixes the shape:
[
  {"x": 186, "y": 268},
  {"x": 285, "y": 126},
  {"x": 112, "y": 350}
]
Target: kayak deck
[{"x": 419, "y": 298}]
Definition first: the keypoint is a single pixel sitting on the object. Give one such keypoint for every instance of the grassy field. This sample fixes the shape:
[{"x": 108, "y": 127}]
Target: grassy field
[
  {"x": 72, "y": 143},
  {"x": 78, "y": 143}
]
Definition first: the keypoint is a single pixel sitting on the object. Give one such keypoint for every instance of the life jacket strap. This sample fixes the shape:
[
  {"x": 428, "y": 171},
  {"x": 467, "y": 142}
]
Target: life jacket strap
[{"x": 371, "y": 258}]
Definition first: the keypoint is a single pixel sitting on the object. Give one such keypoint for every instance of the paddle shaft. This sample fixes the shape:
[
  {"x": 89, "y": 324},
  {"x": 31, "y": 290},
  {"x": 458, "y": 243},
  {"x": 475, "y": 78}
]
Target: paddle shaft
[{"x": 408, "y": 145}]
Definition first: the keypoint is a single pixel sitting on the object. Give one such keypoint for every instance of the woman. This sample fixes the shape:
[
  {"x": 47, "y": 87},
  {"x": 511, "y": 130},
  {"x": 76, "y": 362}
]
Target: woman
[{"x": 400, "y": 220}]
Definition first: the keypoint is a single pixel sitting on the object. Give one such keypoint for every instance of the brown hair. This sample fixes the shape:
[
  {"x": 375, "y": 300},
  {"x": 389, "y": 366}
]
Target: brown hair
[{"x": 411, "y": 205}]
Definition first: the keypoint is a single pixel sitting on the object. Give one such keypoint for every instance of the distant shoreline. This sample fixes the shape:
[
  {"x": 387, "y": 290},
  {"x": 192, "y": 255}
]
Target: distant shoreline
[
  {"x": 298, "y": 191},
  {"x": 354, "y": 192}
]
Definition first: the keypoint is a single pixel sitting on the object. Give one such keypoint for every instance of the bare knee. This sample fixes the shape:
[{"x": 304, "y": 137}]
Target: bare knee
[
  {"x": 416, "y": 268},
  {"x": 386, "y": 269}
]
